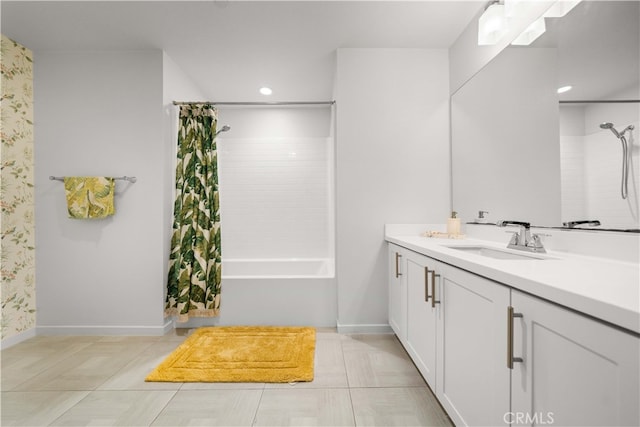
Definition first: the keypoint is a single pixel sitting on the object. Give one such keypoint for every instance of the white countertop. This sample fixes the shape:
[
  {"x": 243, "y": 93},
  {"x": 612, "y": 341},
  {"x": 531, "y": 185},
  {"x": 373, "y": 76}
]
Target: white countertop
[{"x": 603, "y": 288}]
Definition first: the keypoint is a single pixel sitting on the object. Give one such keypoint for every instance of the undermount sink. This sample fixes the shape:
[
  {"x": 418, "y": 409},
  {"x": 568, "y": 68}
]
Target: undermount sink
[{"x": 496, "y": 253}]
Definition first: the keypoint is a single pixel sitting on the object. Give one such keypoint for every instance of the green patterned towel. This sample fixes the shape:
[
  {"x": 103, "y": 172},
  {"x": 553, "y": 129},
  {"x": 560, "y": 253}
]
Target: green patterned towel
[{"x": 89, "y": 196}]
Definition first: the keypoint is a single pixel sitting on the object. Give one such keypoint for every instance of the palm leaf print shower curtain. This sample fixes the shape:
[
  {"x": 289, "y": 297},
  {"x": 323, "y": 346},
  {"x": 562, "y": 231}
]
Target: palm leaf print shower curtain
[{"x": 193, "y": 288}]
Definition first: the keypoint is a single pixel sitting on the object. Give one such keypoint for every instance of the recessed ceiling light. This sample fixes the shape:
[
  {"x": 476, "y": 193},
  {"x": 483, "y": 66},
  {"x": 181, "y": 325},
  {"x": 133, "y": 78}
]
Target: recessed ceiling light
[
  {"x": 266, "y": 90},
  {"x": 564, "y": 89}
]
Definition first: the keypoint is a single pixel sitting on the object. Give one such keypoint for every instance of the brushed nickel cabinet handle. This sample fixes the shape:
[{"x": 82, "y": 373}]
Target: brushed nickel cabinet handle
[
  {"x": 426, "y": 284},
  {"x": 510, "y": 316},
  {"x": 398, "y": 256},
  {"x": 433, "y": 289}
]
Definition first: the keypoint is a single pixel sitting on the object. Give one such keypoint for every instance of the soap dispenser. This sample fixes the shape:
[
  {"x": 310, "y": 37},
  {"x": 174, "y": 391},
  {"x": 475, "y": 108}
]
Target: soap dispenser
[
  {"x": 453, "y": 224},
  {"x": 481, "y": 219}
]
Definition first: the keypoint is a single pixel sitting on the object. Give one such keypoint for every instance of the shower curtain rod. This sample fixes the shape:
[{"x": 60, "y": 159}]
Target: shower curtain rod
[
  {"x": 595, "y": 101},
  {"x": 256, "y": 103}
]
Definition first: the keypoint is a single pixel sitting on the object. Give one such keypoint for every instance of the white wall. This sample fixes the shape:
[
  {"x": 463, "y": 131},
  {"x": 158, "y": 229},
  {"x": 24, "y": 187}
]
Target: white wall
[
  {"x": 505, "y": 149},
  {"x": 392, "y": 161},
  {"x": 100, "y": 113}
]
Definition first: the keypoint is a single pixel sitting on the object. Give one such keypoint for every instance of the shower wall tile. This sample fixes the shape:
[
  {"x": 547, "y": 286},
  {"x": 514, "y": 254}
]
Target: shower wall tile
[
  {"x": 572, "y": 178},
  {"x": 592, "y": 166},
  {"x": 274, "y": 195},
  {"x": 603, "y": 160}
]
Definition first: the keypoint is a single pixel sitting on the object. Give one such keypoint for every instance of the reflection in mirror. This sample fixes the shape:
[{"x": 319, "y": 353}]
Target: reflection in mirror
[
  {"x": 524, "y": 152},
  {"x": 593, "y": 164}
]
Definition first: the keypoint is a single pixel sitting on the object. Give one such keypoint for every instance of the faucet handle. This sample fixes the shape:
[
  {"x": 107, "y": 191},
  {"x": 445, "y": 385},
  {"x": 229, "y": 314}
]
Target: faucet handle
[
  {"x": 514, "y": 237},
  {"x": 536, "y": 243}
]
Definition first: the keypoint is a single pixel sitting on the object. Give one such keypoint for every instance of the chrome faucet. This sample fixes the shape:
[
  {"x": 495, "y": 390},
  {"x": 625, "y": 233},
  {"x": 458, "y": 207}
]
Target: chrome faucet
[{"x": 523, "y": 240}]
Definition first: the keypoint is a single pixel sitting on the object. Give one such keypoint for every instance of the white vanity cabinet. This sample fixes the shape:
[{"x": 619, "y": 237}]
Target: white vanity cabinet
[
  {"x": 455, "y": 334},
  {"x": 397, "y": 291},
  {"x": 497, "y": 356},
  {"x": 472, "y": 378},
  {"x": 422, "y": 313},
  {"x": 575, "y": 371}
]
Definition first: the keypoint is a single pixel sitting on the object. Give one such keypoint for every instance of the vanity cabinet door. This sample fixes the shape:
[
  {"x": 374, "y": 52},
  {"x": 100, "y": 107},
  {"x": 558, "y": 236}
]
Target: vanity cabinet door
[
  {"x": 422, "y": 315},
  {"x": 472, "y": 378},
  {"x": 397, "y": 291},
  {"x": 575, "y": 371}
]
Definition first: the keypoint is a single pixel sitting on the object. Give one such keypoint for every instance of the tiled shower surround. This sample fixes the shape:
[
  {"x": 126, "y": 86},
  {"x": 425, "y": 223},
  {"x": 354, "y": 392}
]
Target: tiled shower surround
[
  {"x": 592, "y": 164},
  {"x": 276, "y": 191}
]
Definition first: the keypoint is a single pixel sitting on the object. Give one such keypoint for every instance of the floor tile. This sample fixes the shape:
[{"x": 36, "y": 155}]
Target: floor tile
[
  {"x": 410, "y": 406},
  {"x": 132, "y": 375},
  {"x": 88, "y": 380},
  {"x": 23, "y": 362},
  {"x": 85, "y": 369},
  {"x": 378, "y": 361},
  {"x": 116, "y": 408},
  {"x": 178, "y": 334},
  {"x": 329, "y": 370},
  {"x": 60, "y": 339},
  {"x": 305, "y": 407},
  {"x": 222, "y": 386},
  {"x": 210, "y": 408},
  {"x": 129, "y": 339},
  {"x": 36, "y": 408}
]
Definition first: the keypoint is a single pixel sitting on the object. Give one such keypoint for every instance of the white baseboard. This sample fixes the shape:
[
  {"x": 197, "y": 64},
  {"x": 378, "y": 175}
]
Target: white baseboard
[
  {"x": 169, "y": 326},
  {"x": 107, "y": 330},
  {"x": 18, "y": 338},
  {"x": 382, "y": 328}
]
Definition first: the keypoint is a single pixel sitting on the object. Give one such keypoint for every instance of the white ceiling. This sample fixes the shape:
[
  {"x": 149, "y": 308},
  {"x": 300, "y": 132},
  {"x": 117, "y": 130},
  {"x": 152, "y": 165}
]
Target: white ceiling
[{"x": 231, "y": 48}]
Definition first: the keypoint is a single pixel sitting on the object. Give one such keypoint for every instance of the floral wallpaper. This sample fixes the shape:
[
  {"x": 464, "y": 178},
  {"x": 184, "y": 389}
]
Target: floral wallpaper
[{"x": 17, "y": 254}]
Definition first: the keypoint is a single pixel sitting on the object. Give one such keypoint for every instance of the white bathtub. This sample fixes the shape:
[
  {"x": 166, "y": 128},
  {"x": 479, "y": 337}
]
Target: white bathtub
[
  {"x": 285, "y": 292},
  {"x": 277, "y": 268}
]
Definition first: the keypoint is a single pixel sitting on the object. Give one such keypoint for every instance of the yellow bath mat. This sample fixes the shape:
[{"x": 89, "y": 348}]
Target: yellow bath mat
[
  {"x": 269, "y": 354},
  {"x": 89, "y": 196}
]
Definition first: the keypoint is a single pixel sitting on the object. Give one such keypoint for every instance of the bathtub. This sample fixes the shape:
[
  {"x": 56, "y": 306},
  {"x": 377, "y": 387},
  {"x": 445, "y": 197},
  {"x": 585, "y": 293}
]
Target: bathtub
[
  {"x": 278, "y": 292},
  {"x": 277, "y": 268}
]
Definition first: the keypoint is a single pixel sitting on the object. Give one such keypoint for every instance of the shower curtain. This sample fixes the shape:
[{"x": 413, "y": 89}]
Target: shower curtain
[{"x": 193, "y": 287}]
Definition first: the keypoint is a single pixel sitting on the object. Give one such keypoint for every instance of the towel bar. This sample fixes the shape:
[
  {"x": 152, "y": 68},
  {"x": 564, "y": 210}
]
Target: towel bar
[{"x": 120, "y": 178}]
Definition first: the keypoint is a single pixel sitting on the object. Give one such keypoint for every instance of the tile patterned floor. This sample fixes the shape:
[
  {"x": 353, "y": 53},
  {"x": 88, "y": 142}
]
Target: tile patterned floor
[{"x": 360, "y": 380}]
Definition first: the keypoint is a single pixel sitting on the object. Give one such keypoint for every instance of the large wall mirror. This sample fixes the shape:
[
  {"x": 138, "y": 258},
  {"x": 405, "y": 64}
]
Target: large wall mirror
[{"x": 522, "y": 151}]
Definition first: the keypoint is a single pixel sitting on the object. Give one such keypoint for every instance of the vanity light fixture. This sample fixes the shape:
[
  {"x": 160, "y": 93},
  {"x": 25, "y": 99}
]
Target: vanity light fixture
[
  {"x": 514, "y": 8},
  {"x": 560, "y": 8},
  {"x": 492, "y": 24},
  {"x": 533, "y": 31},
  {"x": 564, "y": 89},
  {"x": 557, "y": 10},
  {"x": 266, "y": 91}
]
